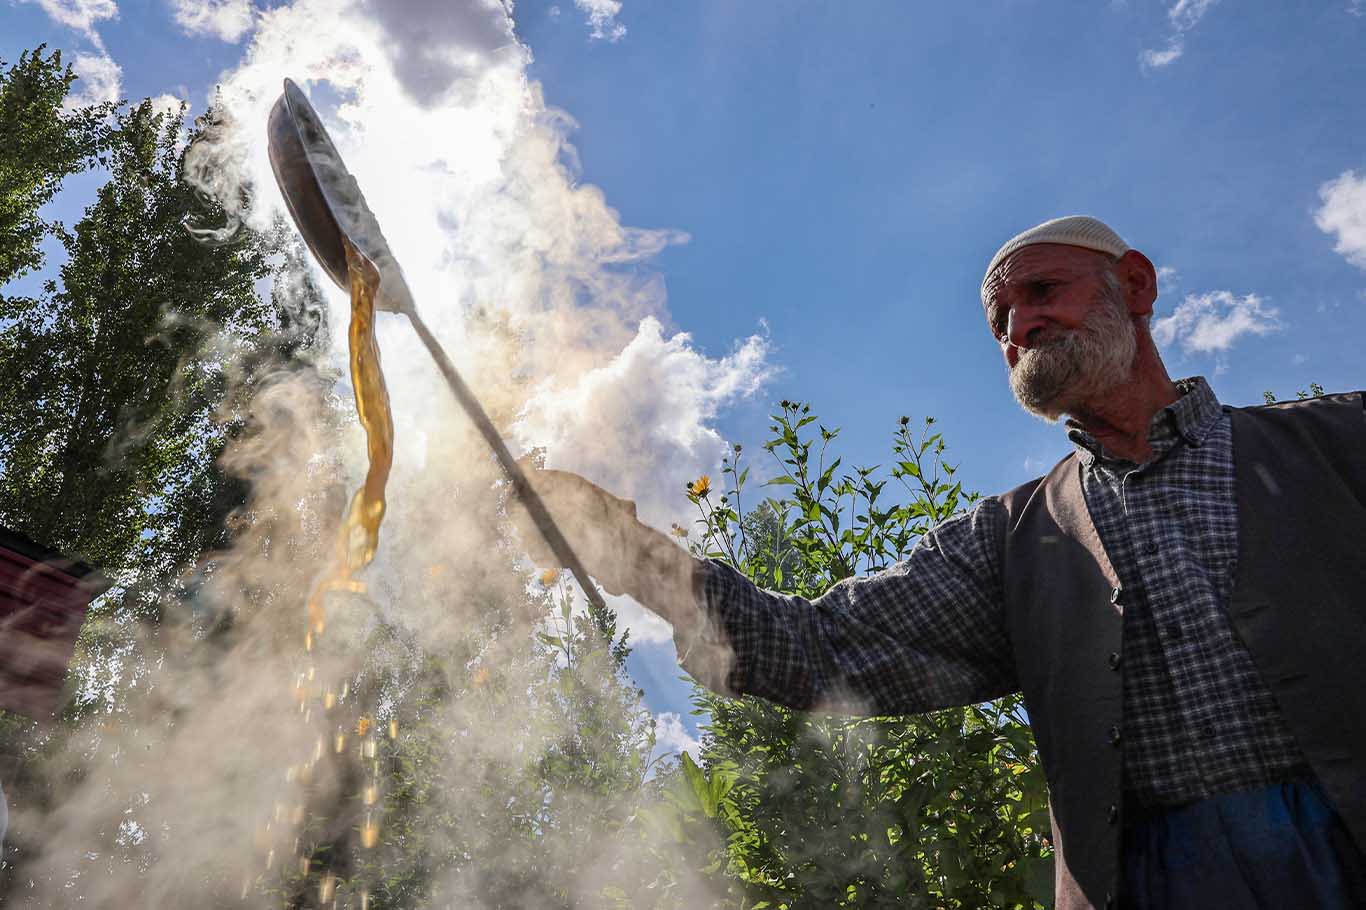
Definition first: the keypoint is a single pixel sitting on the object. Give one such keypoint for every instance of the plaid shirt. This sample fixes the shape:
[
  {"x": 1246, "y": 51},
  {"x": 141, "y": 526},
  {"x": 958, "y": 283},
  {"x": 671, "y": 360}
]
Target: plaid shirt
[{"x": 929, "y": 631}]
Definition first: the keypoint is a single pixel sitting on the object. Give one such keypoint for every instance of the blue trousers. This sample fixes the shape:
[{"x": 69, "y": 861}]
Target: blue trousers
[{"x": 1278, "y": 847}]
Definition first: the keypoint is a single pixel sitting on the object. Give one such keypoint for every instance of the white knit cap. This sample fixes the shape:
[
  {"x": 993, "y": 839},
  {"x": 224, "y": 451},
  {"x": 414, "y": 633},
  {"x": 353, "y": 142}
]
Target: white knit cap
[{"x": 1073, "y": 230}]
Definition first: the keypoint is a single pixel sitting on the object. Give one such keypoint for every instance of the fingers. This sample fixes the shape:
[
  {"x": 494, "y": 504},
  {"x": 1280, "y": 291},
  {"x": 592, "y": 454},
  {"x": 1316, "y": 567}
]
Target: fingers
[
  {"x": 565, "y": 492},
  {"x": 599, "y": 526},
  {"x": 572, "y": 505}
]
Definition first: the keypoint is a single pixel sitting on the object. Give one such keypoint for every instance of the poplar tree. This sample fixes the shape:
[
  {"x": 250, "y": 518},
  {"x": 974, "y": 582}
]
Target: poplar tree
[
  {"x": 125, "y": 371},
  {"x": 43, "y": 146},
  {"x": 115, "y": 374}
]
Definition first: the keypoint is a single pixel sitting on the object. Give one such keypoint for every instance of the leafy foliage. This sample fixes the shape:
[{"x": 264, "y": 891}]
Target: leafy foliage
[
  {"x": 464, "y": 812},
  {"x": 123, "y": 379},
  {"x": 947, "y": 809},
  {"x": 1315, "y": 391},
  {"x": 43, "y": 145},
  {"x": 114, "y": 379}
]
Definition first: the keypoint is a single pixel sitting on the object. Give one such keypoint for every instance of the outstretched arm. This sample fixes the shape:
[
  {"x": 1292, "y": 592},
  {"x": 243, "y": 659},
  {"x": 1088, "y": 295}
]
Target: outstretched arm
[{"x": 923, "y": 634}]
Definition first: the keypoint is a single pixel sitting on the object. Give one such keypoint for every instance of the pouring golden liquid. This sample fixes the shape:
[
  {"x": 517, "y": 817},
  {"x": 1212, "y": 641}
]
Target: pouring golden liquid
[
  {"x": 342, "y": 232},
  {"x": 356, "y": 543},
  {"x": 358, "y": 536}
]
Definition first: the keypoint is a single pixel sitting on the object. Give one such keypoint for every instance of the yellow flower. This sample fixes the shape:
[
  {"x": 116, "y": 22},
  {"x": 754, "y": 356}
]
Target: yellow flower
[
  {"x": 363, "y": 725},
  {"x": 700, "y": 487},
  {"x": 549, "y": 577},
  {"x": 481, "y": 676}
]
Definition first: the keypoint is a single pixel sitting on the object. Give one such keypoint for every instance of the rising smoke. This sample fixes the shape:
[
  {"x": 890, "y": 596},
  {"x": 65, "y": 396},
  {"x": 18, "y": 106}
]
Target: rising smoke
[{"x": 241, "y": 753}]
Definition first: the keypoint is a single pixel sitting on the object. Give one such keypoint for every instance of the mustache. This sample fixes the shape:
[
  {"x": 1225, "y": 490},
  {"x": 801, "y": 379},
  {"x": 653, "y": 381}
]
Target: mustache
[{"x": 1044, "y": 341}]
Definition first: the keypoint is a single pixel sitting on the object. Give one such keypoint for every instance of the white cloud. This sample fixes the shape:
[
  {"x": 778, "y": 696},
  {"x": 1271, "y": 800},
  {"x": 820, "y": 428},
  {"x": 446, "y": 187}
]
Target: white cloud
[
  {"x": 436, "y": 46},
  {"x": 645, "y": 625},
  {"x": 171, "y": 105},
  {"x": 1343, "y": 214},
  {"x": 640, "y": 423},
  {"x": 99, "y": 79},
  {"x": 80, "y": 15},
  {"x": 1152, "y": 59},
  {"x": 1183, "y": 16},
  {"x": 672, "y": 736},
  {"x": 228, "y": 20},
  {"x": 1212, "y": 322},
  {"x": 1167, "y": 278},
  {"x": 602, "y": 18},
  {"x": 167, "y": 104}
]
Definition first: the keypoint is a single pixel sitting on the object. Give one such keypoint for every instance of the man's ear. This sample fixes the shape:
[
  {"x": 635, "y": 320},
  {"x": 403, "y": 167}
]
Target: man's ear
[{"x": 1138, "y": 281}]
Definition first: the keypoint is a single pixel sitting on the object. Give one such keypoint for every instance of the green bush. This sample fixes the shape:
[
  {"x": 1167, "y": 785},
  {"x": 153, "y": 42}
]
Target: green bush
[{"x": 947, "y": 809}]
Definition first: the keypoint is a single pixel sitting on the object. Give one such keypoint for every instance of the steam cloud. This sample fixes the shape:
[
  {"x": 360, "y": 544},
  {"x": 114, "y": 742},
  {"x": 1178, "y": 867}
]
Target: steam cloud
[{"x": 528, "y": 278}]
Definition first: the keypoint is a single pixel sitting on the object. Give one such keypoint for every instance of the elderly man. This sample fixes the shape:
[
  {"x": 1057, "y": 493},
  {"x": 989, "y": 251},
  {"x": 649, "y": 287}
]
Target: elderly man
[{"x": 1180, "y": 600}]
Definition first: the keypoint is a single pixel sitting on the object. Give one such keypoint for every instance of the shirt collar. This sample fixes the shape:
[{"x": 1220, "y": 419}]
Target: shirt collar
[{"x": 1189, "y": 418}]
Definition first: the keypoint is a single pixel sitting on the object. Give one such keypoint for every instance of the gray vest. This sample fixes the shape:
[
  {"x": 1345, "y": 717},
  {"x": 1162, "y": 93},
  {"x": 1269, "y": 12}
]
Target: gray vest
[{"x": 1299, "y": 604}]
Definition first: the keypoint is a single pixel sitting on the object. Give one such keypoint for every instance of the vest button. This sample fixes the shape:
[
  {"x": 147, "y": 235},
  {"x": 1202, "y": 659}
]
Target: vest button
[
  {"x": 1113, "y": 660},
  {"x": 1112, "y": 814},
  {"x": 1114, "y": 595},
  {"x": 1114, "y": 735}
]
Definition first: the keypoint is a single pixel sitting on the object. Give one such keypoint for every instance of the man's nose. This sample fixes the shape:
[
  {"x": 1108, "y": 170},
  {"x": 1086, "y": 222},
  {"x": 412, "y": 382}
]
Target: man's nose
[{"x": 1021, "y": 324}]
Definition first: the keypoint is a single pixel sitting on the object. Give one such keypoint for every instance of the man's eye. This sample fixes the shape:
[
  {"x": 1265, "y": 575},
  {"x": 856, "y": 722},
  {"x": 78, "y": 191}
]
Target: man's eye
[{"x": 1043, "y": 287}]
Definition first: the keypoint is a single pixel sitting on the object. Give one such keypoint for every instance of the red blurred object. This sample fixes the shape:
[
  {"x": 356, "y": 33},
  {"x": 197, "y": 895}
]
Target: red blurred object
[{"x": 43, "y": 599}]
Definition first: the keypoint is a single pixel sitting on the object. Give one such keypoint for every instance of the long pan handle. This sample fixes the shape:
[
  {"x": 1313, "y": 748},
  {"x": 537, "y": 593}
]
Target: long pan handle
[{"x": 530, "y": 498}]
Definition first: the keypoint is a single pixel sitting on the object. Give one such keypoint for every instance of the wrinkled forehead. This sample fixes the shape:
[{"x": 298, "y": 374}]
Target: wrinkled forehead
[{"x": 1041, "y": 260}]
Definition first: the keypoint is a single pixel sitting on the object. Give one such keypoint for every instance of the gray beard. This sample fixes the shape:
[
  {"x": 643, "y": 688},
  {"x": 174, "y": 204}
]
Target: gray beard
[{"x": 1077, "y": 366}]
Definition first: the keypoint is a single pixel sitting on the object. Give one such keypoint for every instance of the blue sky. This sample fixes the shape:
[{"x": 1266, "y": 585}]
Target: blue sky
[
  {"x": 846, "y": 176},
  {"x": 843, "y": 172}
]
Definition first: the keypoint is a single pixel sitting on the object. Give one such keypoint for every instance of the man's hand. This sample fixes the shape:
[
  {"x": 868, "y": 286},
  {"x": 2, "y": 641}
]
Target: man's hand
[
  {"x": 601, "y": 528},
  {"x": 622, "y": 555}
]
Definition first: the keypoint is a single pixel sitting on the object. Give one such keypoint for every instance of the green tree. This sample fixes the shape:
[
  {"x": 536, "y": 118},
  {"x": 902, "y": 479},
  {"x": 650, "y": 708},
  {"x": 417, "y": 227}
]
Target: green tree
[
  {"x": 115, "y": 378},
  {"x": 766, "y": 534},
  {"x": 946, "y": 809},
  {"x": 123, "y": 379},
  {"x": 43, "y": 145}
]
